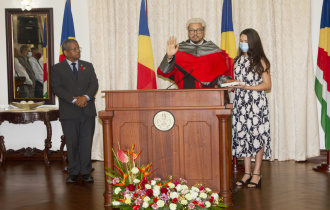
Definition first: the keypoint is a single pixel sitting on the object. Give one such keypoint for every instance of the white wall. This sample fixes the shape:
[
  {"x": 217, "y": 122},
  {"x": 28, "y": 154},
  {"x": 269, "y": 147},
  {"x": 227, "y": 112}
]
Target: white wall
[{"x": 33, "y": 135}]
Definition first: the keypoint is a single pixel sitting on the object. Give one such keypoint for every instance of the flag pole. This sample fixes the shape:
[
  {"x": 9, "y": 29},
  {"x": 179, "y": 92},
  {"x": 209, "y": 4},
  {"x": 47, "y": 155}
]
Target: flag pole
[{"x": 322, "y": 80}]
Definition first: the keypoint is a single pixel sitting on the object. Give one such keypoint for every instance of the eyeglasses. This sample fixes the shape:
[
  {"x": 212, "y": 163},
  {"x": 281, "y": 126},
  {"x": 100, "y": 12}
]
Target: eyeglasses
[
  {"x": 199, "y": 31},
  {"x": 75, "y": 49}
]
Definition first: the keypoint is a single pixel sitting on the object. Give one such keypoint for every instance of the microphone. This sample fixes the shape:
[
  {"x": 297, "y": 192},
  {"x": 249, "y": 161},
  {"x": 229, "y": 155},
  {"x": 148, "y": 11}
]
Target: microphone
[{"x": 186, "y": 74}]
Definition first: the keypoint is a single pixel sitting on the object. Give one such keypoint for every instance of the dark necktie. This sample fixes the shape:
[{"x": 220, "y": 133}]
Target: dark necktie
[{"x": 75, "y": 71}]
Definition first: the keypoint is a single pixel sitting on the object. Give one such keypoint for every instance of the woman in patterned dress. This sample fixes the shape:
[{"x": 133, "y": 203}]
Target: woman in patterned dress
[{"x": 251, "y": 130}]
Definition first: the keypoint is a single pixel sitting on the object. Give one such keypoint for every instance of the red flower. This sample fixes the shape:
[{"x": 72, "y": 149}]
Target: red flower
[
  {"x": 164, "y": 190},
  {"x": 131, "y": 187},
  {"x": 135, "y": 195},
  {"x": 122, "y": 157},
  {"x": 136, "y": 207},
  {"x": 211, "y": 199},
  {"x": 200, "y": 203},
  {"x": 174, "y": 200},
  {"x": 144, "y": 181},
  {"x": 149, "y": 192},
  {"x": 155, "y": 200},
  {"x": 201, "y": 188},
  {"x": 195, "y": 202}
]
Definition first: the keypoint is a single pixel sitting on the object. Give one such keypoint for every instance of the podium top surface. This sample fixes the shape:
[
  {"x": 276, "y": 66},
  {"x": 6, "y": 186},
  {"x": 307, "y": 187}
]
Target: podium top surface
[{"x": 213, "y": 98}]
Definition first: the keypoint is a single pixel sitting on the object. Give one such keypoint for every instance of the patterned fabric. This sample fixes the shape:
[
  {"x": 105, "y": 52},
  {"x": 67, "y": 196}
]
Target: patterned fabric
[{"x": 251, "y": 128}]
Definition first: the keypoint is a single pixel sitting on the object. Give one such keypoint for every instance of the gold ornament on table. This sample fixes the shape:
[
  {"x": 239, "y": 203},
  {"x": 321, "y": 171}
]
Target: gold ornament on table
[{"x": 27, "y": 105}]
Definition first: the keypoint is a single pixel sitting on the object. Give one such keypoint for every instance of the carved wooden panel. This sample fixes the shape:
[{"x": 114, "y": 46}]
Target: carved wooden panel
[
  {"x": 197, "y": 151},
  {"x": 166, "y": 152}
]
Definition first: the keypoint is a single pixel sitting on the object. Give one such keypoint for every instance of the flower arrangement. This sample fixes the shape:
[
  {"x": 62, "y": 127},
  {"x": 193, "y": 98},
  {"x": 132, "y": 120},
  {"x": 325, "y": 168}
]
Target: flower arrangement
[{"x": 132, "y": 188}]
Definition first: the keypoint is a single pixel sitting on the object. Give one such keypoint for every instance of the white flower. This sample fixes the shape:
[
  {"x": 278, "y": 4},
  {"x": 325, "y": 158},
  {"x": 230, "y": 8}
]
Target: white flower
[
  {"x": 194, "y": 194},
  {"x": 256, "y": 143},
  {"x": 156, "y": 192},
  {"x": 255, "y": 108},
  {"x": 255, "y": 120},
  {"x": 145, "y": 205},
  {"x": 255, "y": 95},
  {"x": 215, "y": 196},
  {"x": 242, "y": 119},
  {"x": 117, "y": 190},
  {"x": 249, "y": 123},
  {"x": 156, "y": 187},
  {"x": 184, "y": 202},
  {"x": 207, "y": 204},
  {"x": 239, "y": 126},
  {"x": 184, "y": 187},
  {"x": 153, "y": 182},
  {"x": 188, "y": 196},
  {"x": 243, "y": 111},
  {"x": 160, "y": 203},
  {"x": 115, "y": 203},
  {"x": 184, "y": 191},
  {"x": 178, "y": 187},
  {"x": 135, "y": 170},
  {"x": 172, "y": 206},
  {"x": 136, "y": 181},
  {"x": 203, "y": 195},
  {"x": 146, "y": 199},
  {"x": 261, "y": 129},
  {"x": 147, "y": 186},
  {"x": 171, "y": 185},
  {"x": 246, "y": 98},
  {"x": 267, "y": 126},
  {"x": 195, "y": 189},
  {"x": 174, "y": 195},
  {"x": 255, "y": 132},
  {"x": 128, "y": 196},
  {"x": 239, "y": 149}
]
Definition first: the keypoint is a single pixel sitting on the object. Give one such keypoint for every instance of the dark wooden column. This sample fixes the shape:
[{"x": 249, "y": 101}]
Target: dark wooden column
[
  {"x": 225, "y": 155},
  {"x": 106, "y": 117}
]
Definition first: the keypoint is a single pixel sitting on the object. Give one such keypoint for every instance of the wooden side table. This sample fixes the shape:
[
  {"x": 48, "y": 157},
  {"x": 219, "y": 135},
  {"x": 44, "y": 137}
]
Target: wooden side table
[{"x": 26, "y": 117}]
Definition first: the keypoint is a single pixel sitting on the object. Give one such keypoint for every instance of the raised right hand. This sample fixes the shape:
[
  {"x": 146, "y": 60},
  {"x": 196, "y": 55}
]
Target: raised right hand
[{"x": 172, "y": 47}]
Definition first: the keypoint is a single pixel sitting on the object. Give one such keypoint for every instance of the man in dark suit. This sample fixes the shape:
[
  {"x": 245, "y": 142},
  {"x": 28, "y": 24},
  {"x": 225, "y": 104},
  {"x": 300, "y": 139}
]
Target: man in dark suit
[
  {"x": 24, "y": 61},
  {"x": 75, "y": 84}
]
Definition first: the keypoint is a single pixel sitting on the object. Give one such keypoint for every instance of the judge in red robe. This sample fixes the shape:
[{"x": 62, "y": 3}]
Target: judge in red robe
[{"x": 195, "y": 63}]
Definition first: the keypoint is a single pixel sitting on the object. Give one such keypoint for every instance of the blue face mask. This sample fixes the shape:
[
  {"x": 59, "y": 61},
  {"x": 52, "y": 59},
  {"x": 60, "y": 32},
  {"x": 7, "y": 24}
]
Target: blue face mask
[
  {"x": 244, "y": 46},
  {"x": 29, "y": 54}
]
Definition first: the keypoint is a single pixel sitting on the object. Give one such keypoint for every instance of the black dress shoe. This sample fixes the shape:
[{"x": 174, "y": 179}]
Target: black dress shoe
[
  {"x": 72, "y": 178},
  {"x": 87, "y": 178}
]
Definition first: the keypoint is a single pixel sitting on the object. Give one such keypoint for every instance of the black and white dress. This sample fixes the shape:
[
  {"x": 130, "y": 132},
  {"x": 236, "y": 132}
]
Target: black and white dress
[{"x": 250, "y": 122}]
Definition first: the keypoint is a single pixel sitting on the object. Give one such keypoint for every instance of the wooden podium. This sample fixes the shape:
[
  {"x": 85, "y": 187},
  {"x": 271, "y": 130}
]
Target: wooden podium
[{"x": 197, "y": 147}]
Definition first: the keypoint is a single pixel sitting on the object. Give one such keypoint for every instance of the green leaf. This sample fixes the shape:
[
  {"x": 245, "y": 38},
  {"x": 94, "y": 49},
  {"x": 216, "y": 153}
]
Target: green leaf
[
  {"x": 109, "y": 174},
  {"x": 115, "y": 173}
]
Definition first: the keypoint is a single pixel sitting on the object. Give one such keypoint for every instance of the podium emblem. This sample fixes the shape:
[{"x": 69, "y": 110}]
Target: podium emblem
[{"x": 164, "y": 120}]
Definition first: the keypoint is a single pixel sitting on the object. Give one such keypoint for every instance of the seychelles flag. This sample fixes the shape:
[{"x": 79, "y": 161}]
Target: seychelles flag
[
  {"x": 67, "y": 27},
  {"x": 146, "y": 78},
  {"x": 322, "y": 80},
  {"x": 45, "y": 58},
  {"x": 228, "y": 45}
]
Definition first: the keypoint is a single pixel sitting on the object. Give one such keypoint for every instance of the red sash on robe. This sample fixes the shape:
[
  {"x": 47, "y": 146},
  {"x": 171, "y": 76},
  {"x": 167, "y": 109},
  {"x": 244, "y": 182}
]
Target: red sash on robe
[{"x": 204, "y": 68}]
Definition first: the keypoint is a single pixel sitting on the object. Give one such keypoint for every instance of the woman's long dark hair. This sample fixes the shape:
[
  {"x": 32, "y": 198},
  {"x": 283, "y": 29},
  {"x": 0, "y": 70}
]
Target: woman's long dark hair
[{"x": 256, "y": 52}]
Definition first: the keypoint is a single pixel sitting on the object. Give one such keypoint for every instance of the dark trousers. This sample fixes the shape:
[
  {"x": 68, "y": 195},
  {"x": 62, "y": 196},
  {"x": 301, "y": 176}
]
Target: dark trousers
[
  {"x": 39, "y": 90},
  {"x": 79, "y": 138}
]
